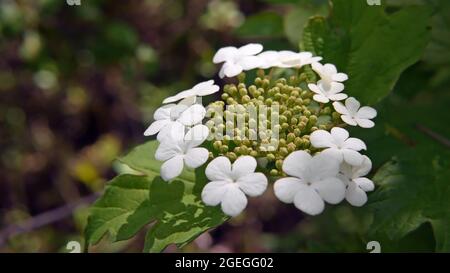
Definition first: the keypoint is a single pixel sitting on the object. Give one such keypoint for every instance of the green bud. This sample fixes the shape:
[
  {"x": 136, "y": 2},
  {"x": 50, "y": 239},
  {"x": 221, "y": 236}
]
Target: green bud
[
  {"x": 246, "y": 99},
  {"x": 279, "y": 164},
  {"x": 284, "y": 151},
  {"x": 290, "y": 137},
  {"x": 224, "y": 149},
  {"x": 242, "y": 92},
  {"x": 217, "y": 144},
  {"x": 241, "y": 77},
  {"x": 270, "y": 157},
  {"x": 273, "y": 172},
  {"x": 254, "y": 153},
  {"x": 291, "y": 147},
  {"x": 232, "y": 156}
]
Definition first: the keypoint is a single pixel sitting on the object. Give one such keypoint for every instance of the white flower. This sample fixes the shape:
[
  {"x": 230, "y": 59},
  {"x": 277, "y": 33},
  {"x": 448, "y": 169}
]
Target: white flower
[
  {"x": 313, "y": 181},
  {"x": 297, "y": 59},
  {"x": 327, "y": 92},
  {"x": 353, "y": 115},
  {"x": 202, "y": 89},
  {"x": 229, "y": 184},
  {"x": 268, "y": 59},
  {"x": 172, "y": 118},
  {"x": 179, "y": 152},
  {"x": 237, "y": 60},
  {"x": 328, "y": 73},
  {"x": 339, "y": 145},
  {"x": 357, "y": 185}
]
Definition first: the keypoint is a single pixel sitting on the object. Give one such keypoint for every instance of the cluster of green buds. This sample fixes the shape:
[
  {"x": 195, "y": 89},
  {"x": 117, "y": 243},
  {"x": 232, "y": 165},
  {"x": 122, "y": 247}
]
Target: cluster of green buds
[{"x": 267, "y": 119}]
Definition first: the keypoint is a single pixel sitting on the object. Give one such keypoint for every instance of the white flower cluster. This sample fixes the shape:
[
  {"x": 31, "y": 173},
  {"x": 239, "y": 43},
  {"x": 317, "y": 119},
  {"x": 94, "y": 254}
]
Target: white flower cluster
[{"x": 331, "y": 175}]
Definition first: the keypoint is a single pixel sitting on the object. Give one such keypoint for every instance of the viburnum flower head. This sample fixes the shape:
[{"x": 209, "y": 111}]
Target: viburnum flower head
[
  {"x": 237, "y": 60},
  {"x": 183, "y": 151},
  {"x": 353, "y": 115},
  {"x": 171, "y": 119},
  {"x": 357, "y": 185},
  {"x": 202, "y": 89},
  {"x": 339, "y": 145},
  {"x": 326, "y": 92},
  {"x": 230, "y": 183},
  {"x": 312, "y": 181}
]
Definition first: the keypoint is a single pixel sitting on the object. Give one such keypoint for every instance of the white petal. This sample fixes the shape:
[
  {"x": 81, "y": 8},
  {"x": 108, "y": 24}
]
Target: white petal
[
  {"x": 179, "y": 96},
  {"x": 163, "y": 112},
  {"x": 352, "y": 105},
  {"x": 156, "y": 126},
  {"x": 349, "y": 120},
  {"x": 322, "y": 139},
  {"x": 315, "y": 89},
  {"x": 352, "y": 157},
  {"x": 208, "y": 91},
  {"x": 337, "y": 97},
  {"x": 196, "y": 136},
  {"x": 366, "y": 112},
  {"x": 334, "y": 87},
  {"x": 335, "y": 153},
  {"x": 317, "y": 67},
  {"x": 213, "y": 192},
  {"x": 188, "y": 101},
  {"x": 224, "y": 54},
  {"x": 219, "y": 169},
  {"x": 296, "y": 163},
  {"x": 253, "y": 184},
  {"x": 234, "y": 200},
  {"x": 172, "y": 168},
  {"x": 167, "y": 151},
  {"x": 364, "y": 123},
  {"x": 322, "y": 166},
  {"x": 308, "y": 201},
  {"x": 286, "y": 188},
  {"x": 196, "y": 157},
  {"x": 222, "y": 72},
  {"x": 250, "y": 49},
  {"x": 243, "y": 165},
  {"x": 339, "y": 135},
  {"x": 365, "y": 167},
  {"x": 232, "y": 69},
  {"x": 355, "y": 195},
  {"x": 364, "y": 183},
  {"x": 320, "y": 98},
  {"x": 193, "y": 115},
  {"x": 340, "y": 108},
  {"x": 173, "y": 132},
  {"x": 330, "y": 69},
  {"x": 354, "y": 144},
  {"x": 340, "y": 77},
  {"x": 249, "y": 63},
  {"x": 332, "y": 190}
]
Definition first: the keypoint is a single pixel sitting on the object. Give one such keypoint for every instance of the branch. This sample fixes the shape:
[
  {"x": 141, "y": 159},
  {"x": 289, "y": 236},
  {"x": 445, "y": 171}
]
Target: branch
[{"x": 43, "y": 219}]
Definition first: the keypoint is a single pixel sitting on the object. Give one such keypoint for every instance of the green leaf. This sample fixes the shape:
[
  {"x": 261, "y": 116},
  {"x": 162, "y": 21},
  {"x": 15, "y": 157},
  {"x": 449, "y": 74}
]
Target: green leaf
[
  {"x": 412, "y": 190},
  {"x": 264, "y": 24},
  {"x": 296, "y": 19},
  {"x": 372, "y": 47},
  {"x": 142, "y": 159},
  {"x": 123, "y": 196},
  {"x": 131, "y": 202}
]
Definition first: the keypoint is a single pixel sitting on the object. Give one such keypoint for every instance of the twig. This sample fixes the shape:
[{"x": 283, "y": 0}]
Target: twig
[
  {"x": 43, "y": 219},
  {"x": 439, "y": 138}
]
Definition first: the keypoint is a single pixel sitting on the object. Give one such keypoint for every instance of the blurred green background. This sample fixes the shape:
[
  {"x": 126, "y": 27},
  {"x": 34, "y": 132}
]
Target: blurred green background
[{"x": 79, "y": 84}]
